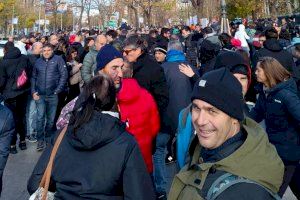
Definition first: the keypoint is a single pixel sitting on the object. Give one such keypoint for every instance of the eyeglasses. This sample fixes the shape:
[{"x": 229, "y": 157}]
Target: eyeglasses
[{"x": 128, "y": 51}]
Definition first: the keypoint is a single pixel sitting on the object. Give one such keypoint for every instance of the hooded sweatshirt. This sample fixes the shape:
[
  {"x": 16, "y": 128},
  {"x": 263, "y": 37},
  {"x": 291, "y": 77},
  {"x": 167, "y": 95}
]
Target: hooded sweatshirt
[
  {"x": 11, "y": 66},
  {"x": 273, "y": 49},
  {"x": 256, "y": 159},
  {"x": 97, "y": 161}
]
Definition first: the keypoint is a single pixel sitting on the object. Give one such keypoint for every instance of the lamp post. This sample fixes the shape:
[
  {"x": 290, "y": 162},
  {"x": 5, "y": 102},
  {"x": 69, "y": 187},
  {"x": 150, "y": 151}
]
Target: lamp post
[
  {"x": 224, "y": 20},
  {"x": 40, "y": 9},
  {"x": 12, "y": 21},
  {"x": 186, "y": 3}
]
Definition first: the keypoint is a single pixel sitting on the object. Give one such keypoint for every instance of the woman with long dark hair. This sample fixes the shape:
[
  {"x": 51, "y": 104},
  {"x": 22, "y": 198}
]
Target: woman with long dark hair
[
  {"x": 97, "y": 158},
  {"x": 279, "y": 105},
  {"x": 74, "y": 66}
]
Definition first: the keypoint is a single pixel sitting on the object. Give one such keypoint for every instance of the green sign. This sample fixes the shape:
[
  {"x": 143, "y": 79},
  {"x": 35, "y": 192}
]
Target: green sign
[{"x": 112, "y": 24}]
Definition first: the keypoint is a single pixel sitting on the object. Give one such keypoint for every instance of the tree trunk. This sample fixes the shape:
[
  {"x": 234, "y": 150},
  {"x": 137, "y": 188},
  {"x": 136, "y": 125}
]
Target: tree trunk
[
  {"x": 289, "y": 6},
  {"x": 136, "y": 16},
  {"x": 199, "y": 12},
  {"x": 296, "y": 4},
  {"x": 272, "y": 7},
  {"x": 55, "y": 20},
  {"x": 81, "y": 13},
  {"x": 89, "y": 20},
  {"x": 254, "y": 17},
  {"x": 148, "y": 18}
]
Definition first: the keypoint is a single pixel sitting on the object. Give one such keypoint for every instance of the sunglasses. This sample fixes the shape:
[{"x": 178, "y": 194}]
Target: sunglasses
[{"x": 128, "y": 51}]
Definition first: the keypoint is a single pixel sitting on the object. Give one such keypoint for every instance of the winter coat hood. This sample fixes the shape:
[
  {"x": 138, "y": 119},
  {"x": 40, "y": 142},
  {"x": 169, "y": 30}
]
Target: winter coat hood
[
  {"x": 256, "y": 159},
  {"x": 100, "y": 130},
  {"x": 13, "y": 53},
  {"x": 175, "y": 56},
  {"x": 272, "y": 45}
]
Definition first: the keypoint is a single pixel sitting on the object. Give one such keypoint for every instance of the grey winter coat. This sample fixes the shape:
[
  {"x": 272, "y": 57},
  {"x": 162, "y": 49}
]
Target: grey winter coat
[{"x": 89, "y": 65}]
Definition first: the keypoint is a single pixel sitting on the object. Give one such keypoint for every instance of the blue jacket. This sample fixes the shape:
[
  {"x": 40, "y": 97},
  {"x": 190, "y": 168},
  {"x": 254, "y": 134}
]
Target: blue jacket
[
  {"x": 280, "y": 108},
  {"x": 7, "y": 129},
  {"x": 49, "y": 76}
]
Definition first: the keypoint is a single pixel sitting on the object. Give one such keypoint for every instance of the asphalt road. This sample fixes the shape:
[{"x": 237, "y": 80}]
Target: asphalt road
[{"x": 20, "y": 166}]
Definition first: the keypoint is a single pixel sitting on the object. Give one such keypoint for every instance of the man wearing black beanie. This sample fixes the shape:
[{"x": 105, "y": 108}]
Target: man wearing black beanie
[{"x": 231, "y": 157}]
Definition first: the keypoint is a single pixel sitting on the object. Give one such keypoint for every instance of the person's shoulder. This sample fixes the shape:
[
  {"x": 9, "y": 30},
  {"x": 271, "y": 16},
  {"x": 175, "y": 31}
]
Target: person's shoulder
[
  {"x": 151, "y": 64},
  {"x": 126, "y": 138}
]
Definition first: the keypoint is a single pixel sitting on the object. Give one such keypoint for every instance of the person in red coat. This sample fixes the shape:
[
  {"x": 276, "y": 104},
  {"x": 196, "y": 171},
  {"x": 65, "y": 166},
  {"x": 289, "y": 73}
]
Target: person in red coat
[{"x": 139, "y": 110}]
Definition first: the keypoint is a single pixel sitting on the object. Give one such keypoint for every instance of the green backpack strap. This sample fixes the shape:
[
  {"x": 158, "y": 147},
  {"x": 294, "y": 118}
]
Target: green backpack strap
[{"x": 227, "y": 180}]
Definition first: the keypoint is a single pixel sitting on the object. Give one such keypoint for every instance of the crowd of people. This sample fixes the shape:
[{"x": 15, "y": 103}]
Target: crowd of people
[{"x": 129, "y": 102}]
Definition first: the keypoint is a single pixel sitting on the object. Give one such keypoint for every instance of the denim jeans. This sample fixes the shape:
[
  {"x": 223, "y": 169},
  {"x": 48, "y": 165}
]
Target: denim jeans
[
  {"x": 46, "y": 110},
  {"x": 31, "y": 116},
  {"x": 159, "y": 162}
]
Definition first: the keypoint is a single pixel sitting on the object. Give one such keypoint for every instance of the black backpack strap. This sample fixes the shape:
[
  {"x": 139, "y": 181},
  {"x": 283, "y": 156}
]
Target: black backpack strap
[{"x": 227, "y": 180}]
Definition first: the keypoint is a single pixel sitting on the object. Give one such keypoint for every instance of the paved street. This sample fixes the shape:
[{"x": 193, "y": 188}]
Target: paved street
[{"x": 20, "y": 166}]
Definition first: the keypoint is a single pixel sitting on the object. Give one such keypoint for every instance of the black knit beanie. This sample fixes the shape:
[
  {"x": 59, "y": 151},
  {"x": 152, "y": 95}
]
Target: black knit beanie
[
  {"x": 222, "y": 90},
  {"x": 233, "y": 61}
]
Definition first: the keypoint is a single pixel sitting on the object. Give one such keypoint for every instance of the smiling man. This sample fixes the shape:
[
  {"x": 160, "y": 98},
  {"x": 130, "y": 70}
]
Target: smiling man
[{"x": 231, "y": 157}]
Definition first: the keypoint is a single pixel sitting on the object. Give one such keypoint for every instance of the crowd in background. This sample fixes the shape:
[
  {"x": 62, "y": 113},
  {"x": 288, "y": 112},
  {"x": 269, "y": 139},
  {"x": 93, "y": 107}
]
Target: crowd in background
[{"x": 125, "y": 96}]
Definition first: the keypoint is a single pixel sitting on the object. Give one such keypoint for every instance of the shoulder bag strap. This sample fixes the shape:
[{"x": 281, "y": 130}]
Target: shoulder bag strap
[{"x": 47, "y": 174}]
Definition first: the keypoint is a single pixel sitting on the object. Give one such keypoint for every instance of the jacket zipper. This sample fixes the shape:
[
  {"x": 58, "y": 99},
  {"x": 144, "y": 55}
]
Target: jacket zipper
[{"x": 46, "y": 77}]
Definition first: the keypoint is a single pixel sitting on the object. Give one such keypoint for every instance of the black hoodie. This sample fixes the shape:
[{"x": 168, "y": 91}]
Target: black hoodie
[
  {"x": 10, "y": 68},
  {"x": 273, "y": 49},
  {"x": 99, "y": 161}
]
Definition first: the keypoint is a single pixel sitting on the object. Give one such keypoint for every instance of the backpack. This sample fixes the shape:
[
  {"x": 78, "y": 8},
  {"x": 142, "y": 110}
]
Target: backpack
[
  {"x": 22, "y": 79},
  {"x": 227, "y": 180},
  {"x": 184, "y": 188}
]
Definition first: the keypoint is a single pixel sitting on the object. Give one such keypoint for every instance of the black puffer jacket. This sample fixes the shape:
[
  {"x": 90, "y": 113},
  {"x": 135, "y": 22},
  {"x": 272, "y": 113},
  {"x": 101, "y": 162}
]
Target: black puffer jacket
[
  {"x": 99, "y": 161},
  {"x": 10, "y": 68},
  {"x": 49, "y": 76},
  {"x": 273, "y": 49}
]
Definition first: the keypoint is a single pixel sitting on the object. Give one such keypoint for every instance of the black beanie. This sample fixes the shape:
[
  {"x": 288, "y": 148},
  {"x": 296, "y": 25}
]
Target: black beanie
[
  {"x": 222, "y": 90},
  {"x": 161, "y": 49},
  {"x": 233, "y": 61}
]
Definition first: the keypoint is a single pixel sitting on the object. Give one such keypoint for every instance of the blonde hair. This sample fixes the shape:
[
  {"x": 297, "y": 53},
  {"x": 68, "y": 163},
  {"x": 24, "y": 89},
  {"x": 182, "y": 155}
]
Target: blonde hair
[{"x": 274, "y": 71}]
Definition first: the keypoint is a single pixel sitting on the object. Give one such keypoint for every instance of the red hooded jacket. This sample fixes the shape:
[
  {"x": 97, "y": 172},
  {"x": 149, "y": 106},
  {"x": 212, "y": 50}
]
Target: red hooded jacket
[{"x": 139, "y": 110}]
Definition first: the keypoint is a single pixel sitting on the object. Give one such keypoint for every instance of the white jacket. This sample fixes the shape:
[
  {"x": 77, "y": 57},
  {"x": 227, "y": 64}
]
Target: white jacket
[{"x": 242, "y": 36}]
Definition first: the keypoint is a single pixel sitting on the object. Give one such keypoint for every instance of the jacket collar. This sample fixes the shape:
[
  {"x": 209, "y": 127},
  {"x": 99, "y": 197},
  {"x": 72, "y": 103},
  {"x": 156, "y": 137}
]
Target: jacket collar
[
  {"x": 48, "y": 58},
  {"x": 139, "y": 62}
]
